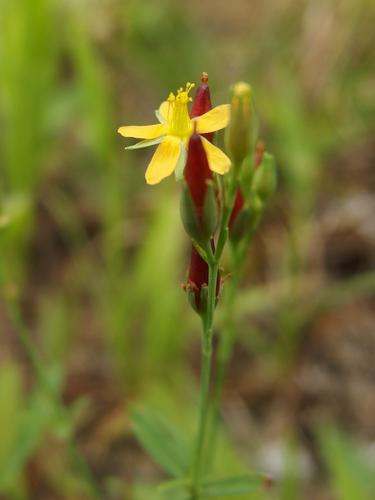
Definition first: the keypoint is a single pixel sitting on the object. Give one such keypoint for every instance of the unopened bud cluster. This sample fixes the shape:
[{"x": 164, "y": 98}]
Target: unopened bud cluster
[
  {"x": 254, "y": 169},
  {"x": 245, "y": 189}
]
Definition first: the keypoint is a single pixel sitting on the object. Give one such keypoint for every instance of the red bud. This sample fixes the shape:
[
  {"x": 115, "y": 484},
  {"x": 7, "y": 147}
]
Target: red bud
[
  {"x": 197, "y": 173},
  {"x": 202, "y": 102},
  {"x": 237, "y": 207},
  {"x": 240, "y": 201},
  {"x": 198, "y": 280}
]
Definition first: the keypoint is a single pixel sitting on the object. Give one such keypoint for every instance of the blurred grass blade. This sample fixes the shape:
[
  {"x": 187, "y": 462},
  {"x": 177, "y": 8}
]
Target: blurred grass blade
[
  {"x": 10, "y": 409},
  {"x": 352, "y": 478},
  {"x": 178, "y": 490},
  {"x": 29, "y": 433},
  {"x": 162, "y": 441},
  {"x": 233, "y": 486}
]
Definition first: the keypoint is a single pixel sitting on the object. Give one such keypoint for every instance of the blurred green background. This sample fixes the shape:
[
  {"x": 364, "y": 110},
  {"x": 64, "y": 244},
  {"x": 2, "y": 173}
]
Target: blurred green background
[{"x": 93, "y": 320}]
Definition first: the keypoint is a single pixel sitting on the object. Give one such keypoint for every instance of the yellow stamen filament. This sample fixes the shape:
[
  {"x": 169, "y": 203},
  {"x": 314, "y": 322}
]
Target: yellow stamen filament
[{"x": 178, "y": 118}]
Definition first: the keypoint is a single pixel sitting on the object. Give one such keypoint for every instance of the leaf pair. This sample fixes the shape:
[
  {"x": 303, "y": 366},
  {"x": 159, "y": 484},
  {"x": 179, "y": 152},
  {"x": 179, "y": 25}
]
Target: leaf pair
[{"x": 170, "y": 450}]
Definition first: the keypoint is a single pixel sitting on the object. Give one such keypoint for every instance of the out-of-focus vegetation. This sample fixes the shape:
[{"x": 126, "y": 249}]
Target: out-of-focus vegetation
[{"x": 93, "y": 322}]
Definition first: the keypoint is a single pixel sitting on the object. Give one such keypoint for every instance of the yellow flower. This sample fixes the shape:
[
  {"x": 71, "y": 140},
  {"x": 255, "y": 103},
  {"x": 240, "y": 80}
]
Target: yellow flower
[{"x": 172, "y": 135}]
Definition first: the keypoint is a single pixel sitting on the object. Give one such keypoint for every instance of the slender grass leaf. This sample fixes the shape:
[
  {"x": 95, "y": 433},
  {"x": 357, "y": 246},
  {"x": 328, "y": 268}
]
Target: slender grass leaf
[
  {"x": 162, "y": 441},
  {"x": 232, "y": 486},
  {"x": 10, "y": 409},
  {"x": 178, "y": 490},
  {"x": 35, "y": 420},
  {"x": 351, "y": 476}
]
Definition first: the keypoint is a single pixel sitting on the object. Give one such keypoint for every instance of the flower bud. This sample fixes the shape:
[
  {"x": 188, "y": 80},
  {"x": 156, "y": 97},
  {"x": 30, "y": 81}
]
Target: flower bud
[
  {"x": 237, "y": 207},
  {"x": 248, "y": 170},
  {"x": 202, "y": 102},
  {"x": 197, "y": 284},
  {"x": 199, "y": 211},
  {"x": 246, "y": 220},
  {"x": 240, "y": 131},
  {"x": 202, "y": 99},
  {"x": 264, "y": 180},
  {"x": 259, "y": 152}
]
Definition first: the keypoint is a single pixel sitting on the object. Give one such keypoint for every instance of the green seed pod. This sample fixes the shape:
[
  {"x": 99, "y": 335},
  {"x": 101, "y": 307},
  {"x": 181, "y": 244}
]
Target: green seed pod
[
  {"x": 240, "y": 131},
  {"x": 265, "y": 180}
]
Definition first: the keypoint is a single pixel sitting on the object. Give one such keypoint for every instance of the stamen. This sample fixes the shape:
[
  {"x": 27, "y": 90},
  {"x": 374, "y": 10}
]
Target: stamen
[{"x": 178, "y": 115}]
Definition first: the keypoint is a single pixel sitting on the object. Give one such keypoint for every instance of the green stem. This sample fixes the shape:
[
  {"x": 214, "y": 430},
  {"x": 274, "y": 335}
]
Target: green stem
[
  {"x": 226, "y": 344},
  {"x": 207, "y": 336},
  {"x": 228, "y": 335},
  {"x": 213, "y": 265}
]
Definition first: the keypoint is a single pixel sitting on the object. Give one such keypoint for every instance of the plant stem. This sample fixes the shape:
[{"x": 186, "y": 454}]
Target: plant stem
[
  {"x": 205, "y": 377},
  {"x": 226, "y": 344},
  {"x": 227, "y": 337},
  {"x": 207, "y": 336}
]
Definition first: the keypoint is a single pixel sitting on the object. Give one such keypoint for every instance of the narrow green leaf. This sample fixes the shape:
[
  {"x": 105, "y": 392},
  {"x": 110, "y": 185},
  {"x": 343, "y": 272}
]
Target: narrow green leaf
[
  {"x": 10, "y": 409},
  {"x": 178, "y": 490},
  {"x": 34, "y": 421},
  {"x": 162, "y": 441},
  {"x": 351, "y": 476},
  {"x": 235, "y": 485}
]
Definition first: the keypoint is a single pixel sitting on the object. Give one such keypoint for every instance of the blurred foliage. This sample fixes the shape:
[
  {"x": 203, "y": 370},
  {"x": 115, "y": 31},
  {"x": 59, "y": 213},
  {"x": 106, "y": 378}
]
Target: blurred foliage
[{"x": 93, "y": 258}]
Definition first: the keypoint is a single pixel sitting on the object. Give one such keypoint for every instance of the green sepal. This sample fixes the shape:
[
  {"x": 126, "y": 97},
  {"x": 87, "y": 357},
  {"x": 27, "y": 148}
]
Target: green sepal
[
  {"x": 210, "y": 211},
  {"x": 192, "y": 299},
  {"x": 200, "y": 233},
  {"x": 181, "y": 162},
  {"x": 188, "y": 215},
  {"x": 146, "y": 143},
  {"x": 240, "y": 226},
  {"x": 203, "y": 248},
  {"x": 162, "y": 441},
  {"x": 247, "y": 174},
  {"x": 247, "y": 220},
  {"x": 233, "y": 486},
  {"x": 265, "y": 179}
]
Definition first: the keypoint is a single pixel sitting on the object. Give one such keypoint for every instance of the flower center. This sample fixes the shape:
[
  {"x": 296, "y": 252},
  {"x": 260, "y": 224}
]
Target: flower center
[{"x": 178, "y": 115}]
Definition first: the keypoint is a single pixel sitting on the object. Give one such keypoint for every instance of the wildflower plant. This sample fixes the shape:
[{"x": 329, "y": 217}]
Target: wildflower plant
[{"x": 223, "y": 196}]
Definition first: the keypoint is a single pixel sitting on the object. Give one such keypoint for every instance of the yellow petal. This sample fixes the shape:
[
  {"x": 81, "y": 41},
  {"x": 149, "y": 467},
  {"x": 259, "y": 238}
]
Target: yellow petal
[
  {"x": 217, "y": 160},
  {"x": 164, "y": 160},
  {"x": 163, "y": 110},
  {"x": 215, "y": 119},
  {"x": 142, "y": 132}
]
